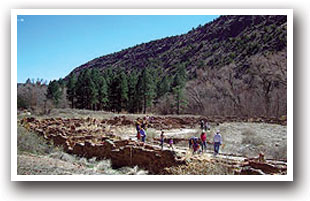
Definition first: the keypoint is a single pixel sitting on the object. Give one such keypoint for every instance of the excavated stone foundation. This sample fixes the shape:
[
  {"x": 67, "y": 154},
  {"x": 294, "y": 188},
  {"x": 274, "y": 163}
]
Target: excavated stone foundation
[{"x": 88, "y": 138}]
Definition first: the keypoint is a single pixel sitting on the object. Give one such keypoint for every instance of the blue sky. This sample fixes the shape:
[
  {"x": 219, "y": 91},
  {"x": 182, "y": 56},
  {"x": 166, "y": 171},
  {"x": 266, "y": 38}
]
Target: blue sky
[{"x": 51, "y": 46}]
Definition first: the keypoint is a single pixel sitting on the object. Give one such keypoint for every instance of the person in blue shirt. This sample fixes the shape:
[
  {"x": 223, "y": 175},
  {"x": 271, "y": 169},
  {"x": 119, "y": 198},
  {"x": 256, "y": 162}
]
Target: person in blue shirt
[{"x": 143, "y": 134}]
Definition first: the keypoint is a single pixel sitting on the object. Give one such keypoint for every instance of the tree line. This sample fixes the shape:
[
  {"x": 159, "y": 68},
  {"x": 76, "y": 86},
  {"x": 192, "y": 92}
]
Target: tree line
[{"x": 116, "y": 90}]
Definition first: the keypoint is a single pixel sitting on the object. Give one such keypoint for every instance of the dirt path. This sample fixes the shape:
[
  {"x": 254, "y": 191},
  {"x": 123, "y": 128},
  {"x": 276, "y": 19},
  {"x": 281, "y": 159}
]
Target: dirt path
[{"x": 241, "y": 138}]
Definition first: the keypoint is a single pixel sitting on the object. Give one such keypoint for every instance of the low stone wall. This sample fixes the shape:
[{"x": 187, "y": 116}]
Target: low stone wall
[
  {"x": 121, "y": 152},
  {"x": 92, "y": 142}
]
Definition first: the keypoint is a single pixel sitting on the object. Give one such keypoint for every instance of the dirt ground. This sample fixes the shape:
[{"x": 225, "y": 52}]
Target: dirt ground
[
  {"x": 249, "y": 139},
  {"x": 240, "y": 138}
]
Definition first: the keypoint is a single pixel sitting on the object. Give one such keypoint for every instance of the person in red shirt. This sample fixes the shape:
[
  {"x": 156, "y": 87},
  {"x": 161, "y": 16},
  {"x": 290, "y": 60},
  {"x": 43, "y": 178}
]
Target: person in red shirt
[
  {"x": 203, "y": 138},
  {"x": 138, "y": 127}
]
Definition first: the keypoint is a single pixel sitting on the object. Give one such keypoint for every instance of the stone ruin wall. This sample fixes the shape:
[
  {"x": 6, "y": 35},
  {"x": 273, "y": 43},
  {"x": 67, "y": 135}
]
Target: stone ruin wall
[
  {"x": 120, "y": 152},
  {"x": 77, "y": 140}
]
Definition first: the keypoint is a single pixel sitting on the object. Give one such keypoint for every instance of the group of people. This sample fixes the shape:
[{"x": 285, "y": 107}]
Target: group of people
[
  {"x": 196, "y": 143},
  {"x": 141, "y": 127},
  {"x": 204, "y": 125}
]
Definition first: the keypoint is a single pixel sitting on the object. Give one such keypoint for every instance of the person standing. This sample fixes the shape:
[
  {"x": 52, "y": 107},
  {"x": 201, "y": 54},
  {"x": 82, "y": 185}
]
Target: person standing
[
  {"x": 143, "y": 134},
  {"x": 171, "y": 143},
  {"x": 144, "y": 123},
  {"x": 207, "y": 126},
  {"x": 162, "y": 139},
  {"x": 143, "y": 128},
  {"x": 203, "y": 138},
  {"x": 217, "y": 141},
  {"x": 138, "y": 127},
  {"x": 202, "y": 124},
  {"x": 190, "y": 142}
]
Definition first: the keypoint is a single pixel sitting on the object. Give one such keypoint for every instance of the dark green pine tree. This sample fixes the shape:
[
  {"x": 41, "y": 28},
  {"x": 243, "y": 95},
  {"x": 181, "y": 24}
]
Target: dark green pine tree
[
  {"x": 109, "y": 76},
  {"x": 71, "y": 89},
  {"x": 83, "y": 90},
  {"x": 157, "y": 74},
  {"x": 102, "y": 93},
  {"x": 93, "y": 95},
  {"x": 146, "y": 89},
  {"x": 28, "y": 81},
  {"x": 113, "y": 95},
  {"x": 139, "y": 94},
  {"x": 132, "y": 92},
  {"x": 94, "y": 88},
  {"x": 178, "y": 85},
  {"x": 118, "y": 92},
  {"x": 79, "y": 87},
  {"x": 163, "y": 86},
  {"x": 123, "y": 90},
  {"x": 54, "y": 92},
  {"x": 61, "y": 83}
]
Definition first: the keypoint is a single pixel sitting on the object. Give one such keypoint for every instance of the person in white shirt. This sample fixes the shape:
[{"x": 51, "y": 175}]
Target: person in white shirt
[{"x": 217, "y": 141}]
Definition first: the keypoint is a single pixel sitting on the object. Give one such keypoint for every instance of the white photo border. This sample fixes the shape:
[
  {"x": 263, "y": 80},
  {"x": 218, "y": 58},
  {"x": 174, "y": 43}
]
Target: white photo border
[{"x": 287, "y": 12}]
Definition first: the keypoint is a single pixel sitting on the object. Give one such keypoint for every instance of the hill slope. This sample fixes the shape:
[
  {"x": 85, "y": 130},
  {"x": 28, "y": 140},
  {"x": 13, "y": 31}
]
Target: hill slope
[
  {"x": 226, "y": 39},
  {"x": 236, "y": 65}
]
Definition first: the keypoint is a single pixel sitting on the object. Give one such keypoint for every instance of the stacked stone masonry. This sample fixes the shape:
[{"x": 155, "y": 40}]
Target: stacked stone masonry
[{"x": 88, "y": 138}]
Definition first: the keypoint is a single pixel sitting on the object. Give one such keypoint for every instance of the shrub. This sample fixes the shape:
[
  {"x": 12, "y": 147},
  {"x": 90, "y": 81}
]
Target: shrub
[
  {"x": 251, "y": 138},
  {"x": 32, "y": 143},
  {"x": 22, "y": 103},
  {"x": 165, "y": 105},
  {"x": 248, "y": 132},
  {"x": 279, "y": 152},
  {"x": 150, "y": 134},
  {"x": 200, "y": 168}
]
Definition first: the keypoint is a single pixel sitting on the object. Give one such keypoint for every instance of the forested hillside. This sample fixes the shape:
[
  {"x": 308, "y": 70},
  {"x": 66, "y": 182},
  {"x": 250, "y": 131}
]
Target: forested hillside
[
  {"x": 233, "y": 66},
  {"x": 225, "y": 40}
]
